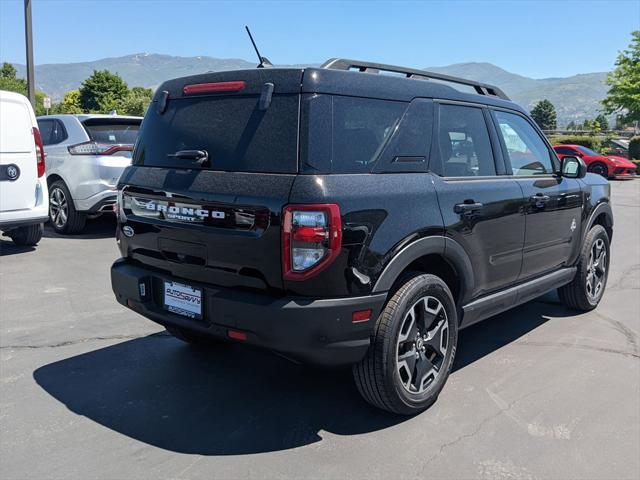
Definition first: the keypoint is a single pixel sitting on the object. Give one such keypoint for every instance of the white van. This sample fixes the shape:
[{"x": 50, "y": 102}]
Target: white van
[{"x": 24, "y": 204}]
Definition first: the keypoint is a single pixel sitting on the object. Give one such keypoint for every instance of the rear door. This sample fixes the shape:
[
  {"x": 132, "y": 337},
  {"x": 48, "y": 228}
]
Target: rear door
[
  {"x": 553, "y": 203},
  {"x": 212, "y": 171},
  {"x": 481, "y": 208},
  {"x": 18, "y": 163}
]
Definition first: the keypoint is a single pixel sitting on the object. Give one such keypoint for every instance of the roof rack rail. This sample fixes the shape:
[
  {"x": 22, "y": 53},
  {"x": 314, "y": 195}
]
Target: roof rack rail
[{"x": 371, "y": 67}]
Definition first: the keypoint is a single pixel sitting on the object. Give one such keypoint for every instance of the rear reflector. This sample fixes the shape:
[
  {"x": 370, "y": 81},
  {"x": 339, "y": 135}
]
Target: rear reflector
[
  {"x": 236, "y": 335},
  {"x": 213, "y": 87},
  {"x": 361, "y": 316}
]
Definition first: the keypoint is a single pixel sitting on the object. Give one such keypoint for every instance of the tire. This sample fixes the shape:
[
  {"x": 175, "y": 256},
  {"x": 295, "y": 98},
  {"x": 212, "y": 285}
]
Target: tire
[
  {"x": 583, "y": 293},
  {"x": 29, "y": 235},
  {"x": 190, "y": 337},
  {"x": 599, "y": 168},
  {"x": 410, "y": 385},
  {"x": 63, "y": 216}
]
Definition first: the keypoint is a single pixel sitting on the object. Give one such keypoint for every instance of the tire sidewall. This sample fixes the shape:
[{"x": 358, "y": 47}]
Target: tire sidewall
[
  {"x": 597, "y": 232},
  {"x": 428, "y": 286},
  {"x": 592, "y": 168}
]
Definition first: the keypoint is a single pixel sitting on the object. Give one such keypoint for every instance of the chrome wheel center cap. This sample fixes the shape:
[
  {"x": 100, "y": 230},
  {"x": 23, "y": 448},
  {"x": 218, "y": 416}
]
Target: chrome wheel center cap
[{"x": 419, "y": 343}]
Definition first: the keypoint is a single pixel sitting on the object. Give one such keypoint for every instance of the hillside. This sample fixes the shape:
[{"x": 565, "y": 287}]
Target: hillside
[{"x": 575, "y": 97}]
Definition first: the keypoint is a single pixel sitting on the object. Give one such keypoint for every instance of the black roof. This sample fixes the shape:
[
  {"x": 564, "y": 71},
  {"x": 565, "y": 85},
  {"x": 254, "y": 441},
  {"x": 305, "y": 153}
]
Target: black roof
[{"x": 345, "y": 82}]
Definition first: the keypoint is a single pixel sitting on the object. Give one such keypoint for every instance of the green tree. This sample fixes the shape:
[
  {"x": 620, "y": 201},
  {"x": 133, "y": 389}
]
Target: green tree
[
  {"x": 624, "y": 83},
  {"x": 136, "y": 102},
  {"x": 70, "y": 103},
  {"x": 572, "y": 125},
  {"x": 544, "y": 114},
  {"x": 102, "y": 91},
  {"x": 10, "y": 83},
  {"x": 602, "y": 122},
  {"x": 8, "y": 71}
]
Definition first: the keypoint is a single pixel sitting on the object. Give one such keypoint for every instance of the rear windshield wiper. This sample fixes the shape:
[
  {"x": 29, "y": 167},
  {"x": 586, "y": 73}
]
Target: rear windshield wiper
[{"x": 200, "y": 156}]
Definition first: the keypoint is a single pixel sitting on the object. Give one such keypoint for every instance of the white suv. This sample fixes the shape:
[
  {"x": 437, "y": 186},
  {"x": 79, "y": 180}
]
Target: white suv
[
  {"x": 23, "y": 191},
  {"x": 85, "y": 156}
]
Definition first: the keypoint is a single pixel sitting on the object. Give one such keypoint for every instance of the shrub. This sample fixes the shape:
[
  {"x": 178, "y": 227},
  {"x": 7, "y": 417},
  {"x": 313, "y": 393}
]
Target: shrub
[
  {"x": 634, "y": 148},
  {"x": 594, "y": 143}
]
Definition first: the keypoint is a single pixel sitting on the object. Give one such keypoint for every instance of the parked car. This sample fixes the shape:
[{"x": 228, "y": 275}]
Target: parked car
[
  {"x": 85, "y": 156},
  {"x": 23, "y": 189},
  {"x": 609, "y": 166},
  {"x": 346, "y": 217}
]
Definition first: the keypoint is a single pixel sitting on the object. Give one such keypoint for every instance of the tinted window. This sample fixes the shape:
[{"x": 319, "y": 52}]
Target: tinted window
[
  {"x": 463, "y": 138},
  {"x": 45, "y": 127},
  {"x": 565, "y": 150},
  {"x": 526, "y": 151},
  {"x": 361, "y": 127},
  {"x": 587, "y": 151},
  {"x": 112, "y": 131},
  {"x": 235, "y": 133}
]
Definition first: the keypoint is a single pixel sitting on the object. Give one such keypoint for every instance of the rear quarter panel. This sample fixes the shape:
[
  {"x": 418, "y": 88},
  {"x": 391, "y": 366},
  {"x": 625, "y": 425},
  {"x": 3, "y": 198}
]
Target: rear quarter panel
[{"x": 380, "y": 214}]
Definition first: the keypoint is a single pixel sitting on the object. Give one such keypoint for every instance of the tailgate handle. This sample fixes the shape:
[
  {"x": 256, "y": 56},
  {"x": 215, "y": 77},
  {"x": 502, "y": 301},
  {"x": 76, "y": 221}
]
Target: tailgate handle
[{"x": 200, "y": 156}]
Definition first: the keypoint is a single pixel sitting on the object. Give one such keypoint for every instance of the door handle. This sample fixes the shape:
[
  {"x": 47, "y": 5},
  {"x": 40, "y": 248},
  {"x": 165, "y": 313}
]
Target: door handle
[
  {"x": 539, "y": 198},
  {"x": 467, "y": 207}
]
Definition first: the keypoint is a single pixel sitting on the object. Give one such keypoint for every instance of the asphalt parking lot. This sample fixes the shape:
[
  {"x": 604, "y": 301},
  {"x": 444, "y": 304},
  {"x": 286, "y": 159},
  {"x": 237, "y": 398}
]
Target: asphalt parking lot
[{"x": 89, "y": 389}]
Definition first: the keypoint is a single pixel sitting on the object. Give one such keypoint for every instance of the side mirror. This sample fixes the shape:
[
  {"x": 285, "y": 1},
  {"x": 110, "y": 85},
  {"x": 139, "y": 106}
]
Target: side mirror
[{"x": 573, "y": 167}]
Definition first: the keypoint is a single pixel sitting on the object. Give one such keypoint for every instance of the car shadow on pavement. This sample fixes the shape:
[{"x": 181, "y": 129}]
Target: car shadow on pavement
[
  {"x": 102, "y": 227},
  {"x": 7, "y": 247},
  {"x": 230, "y": 400}
]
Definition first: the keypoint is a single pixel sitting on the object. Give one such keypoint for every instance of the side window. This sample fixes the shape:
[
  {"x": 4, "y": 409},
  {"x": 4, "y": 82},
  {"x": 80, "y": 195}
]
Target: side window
[
  {"x": 361, "y": 127},
  {"x": 45, "y": 127},
  {"x": 526, "y": 151},
  {"x": 52, "y": 131},
  {"x": 565, "y": 150},
  {"x": 463, "y": 138},
  {"x": 58, "y": 133}
]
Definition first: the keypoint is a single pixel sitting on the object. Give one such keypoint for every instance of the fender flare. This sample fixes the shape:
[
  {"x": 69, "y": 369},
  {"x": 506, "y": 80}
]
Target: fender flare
[
  {"x": 447, "y": 248},
  {"x": 602, "y": 207}
]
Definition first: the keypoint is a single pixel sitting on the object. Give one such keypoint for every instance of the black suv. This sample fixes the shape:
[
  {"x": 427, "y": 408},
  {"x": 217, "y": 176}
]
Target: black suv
[{"x": 352, "y": 214}]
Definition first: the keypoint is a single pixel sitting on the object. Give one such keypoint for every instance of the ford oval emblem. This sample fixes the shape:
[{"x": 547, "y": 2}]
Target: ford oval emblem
[{"x": 128, "y": 231}]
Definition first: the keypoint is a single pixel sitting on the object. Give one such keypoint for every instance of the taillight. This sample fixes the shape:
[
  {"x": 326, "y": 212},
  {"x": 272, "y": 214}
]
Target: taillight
[
  {"x": 96, "y": 148},
  {"x": 311, "y": 239},
  {"x": 39, "y": 151}
]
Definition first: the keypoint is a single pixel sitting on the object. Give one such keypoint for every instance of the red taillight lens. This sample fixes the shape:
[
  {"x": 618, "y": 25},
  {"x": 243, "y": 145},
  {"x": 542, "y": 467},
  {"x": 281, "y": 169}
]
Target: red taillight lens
[
  {"x": 311, "y": 239},
  {"x": 213, "y": 87},
  {"x": 95, "y": 148},
  {"x": 39, "y": 151}
]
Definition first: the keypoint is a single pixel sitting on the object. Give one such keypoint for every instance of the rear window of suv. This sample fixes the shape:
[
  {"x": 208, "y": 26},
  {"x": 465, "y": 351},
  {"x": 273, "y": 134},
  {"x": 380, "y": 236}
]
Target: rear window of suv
[
  {"x": 113, "y": 130},
  {"x": 234, "y": 132}
]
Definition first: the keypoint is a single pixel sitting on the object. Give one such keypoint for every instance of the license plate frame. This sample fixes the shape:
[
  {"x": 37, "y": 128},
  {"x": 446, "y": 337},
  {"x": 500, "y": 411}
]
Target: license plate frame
[{"x": 182, "y": 299}]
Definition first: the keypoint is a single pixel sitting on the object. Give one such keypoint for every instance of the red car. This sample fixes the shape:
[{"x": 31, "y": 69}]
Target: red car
[{"x": 609, "y": 166}]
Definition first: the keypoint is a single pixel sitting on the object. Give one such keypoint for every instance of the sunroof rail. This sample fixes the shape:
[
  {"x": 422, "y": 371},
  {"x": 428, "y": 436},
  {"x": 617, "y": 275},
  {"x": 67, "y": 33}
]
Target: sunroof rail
[{"x": 371, "y": 67}]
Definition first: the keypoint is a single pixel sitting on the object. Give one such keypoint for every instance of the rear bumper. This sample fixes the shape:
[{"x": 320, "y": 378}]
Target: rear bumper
[
  {"x": 317, "y": 331},
  {"x": 11, "y": 224},
  {"x": 100, "y": 202}
]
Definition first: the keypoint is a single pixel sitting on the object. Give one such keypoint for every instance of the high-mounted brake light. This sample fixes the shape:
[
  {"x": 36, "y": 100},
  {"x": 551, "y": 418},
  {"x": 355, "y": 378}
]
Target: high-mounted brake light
[
  {"x": 96, "y": 148},
  {"x": 311, "y": 239},
  {"x": 213, "y": 87},
  {"x": 37, "y": 138}
]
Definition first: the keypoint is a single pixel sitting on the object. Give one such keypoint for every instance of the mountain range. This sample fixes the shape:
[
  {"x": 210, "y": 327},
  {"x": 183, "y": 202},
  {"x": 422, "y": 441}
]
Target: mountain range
[{"x": 575, "y": 98}]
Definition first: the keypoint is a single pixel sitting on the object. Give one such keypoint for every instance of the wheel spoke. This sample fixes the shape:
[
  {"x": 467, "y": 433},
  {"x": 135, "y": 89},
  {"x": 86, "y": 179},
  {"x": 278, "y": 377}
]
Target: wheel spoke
[
  {"x": 434, "y": 337},
  {"x": 410, "y": 329},
  {"x": 423, "y": 368}
]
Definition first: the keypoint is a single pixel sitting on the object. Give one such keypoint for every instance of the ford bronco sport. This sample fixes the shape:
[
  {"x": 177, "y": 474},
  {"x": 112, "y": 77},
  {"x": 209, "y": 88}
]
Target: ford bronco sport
[{"x": 352, "y": 214}]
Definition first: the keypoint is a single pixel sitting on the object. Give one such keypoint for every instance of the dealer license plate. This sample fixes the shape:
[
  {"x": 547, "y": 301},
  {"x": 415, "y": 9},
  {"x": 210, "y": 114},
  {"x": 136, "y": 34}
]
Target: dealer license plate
[{"x": 183, "y": 299}]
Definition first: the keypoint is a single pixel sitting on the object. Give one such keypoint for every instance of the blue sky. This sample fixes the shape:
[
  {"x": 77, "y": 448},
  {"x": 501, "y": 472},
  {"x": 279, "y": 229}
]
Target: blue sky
[{"x": 537, "y": 39}]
